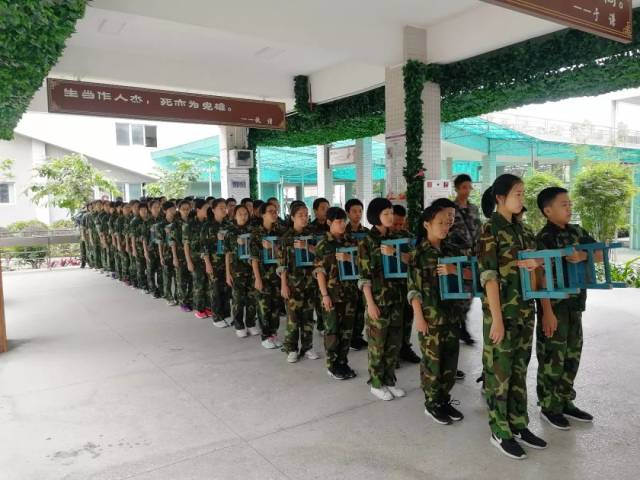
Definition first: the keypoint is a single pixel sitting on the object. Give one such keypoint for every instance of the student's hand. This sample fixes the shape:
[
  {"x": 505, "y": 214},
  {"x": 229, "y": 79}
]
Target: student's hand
[
  {"x": 496, "y": 334},
  {"x": 577, "y": 257},
  {"x": 529, "y": 264},
  {"x": 421, "y": 324},
  {"x": 312, "y": 249},
  {"x": 241, "y": 241},
  {"x": 387, "y": 250},
  {"x": 446, "y": 269},
  {"x": 327, "y": 304},
  {"x": 343, "y": 257},
  {"x": 405, "y": 258},
  {"x": 229, "y": 280},
  {"x": 220, "y": 236},
  {"x": 176, "y": 263},
  {"x": 190, "y": 266},
  {"x": 258, "y": 284},
  {"x": 467, "y": 274},
  {"x": 373, "y": 311},
  {"x": 549, "y": 323},
  {"x": 266, "y": 244},
  {"x": 299, "y": 244},
  {"x": 208, "y": 268},
  {"x": 162, "y": 261},
  {"x": 285, "y": 292}
]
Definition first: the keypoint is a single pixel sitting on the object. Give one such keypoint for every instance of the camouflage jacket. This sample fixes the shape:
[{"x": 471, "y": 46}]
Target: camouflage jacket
[
  {"x": 553, "y": 237},
  {"x": 192, "y": 236},
  {"x": 300, "y": 279},
  {"x": 102, "y": 224},
  {"x": 327, "y": 263},
  {"x": 239, "y": 268},
  {"x": 173, "y": 236},
  {"x": 319, "y": 228},
  {"x": 360, "y": 229},
  {"x": 385, "y": 291},
  {"x": 211, "y": 233},
  {"x": 150, "y": 233},
  {"x": 268, "y": 272},
  {"x": 423, "y": 281},
  {"x": 465, "y": 231},
  {"x": 500, "y": 242},
  {"x": 134, "y": 231}
]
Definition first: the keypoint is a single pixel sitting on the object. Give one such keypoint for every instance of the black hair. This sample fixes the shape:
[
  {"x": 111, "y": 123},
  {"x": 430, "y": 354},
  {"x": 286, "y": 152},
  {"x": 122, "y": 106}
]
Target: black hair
[
  {"x": 231, "y": 199},
  {"x": 257, "y": 204},
  {"x": 262, "y": 209},
  {"x": 336, "y": 213},
  {"x": 237, "y": 209},
  {"x": 352, "y": 203},
  {"x": 429, "y": 213},
  {"x": 143, "y": 205},
  {"x": 272, "y": 199},
  {"x": 399, "y": 210},
  {"x": 319, "y": 201},
  {"x": 295, "y": 206},
  {"x": 246, "y": 200},
  {"x": 217, "y": 202},
  {"x": 548, "y": 195},
  {"x": 184, "y": 202},
  {"x": 209, "y": 199},
  {"x": 153, "y": 202},
  {"x": 460, "y": 179},
  {"x": 375, "y": 208},
  {"x": 502, "y": 186},
  {"x": 134, "y": 202},
  {"x": 167, "y": 205}
]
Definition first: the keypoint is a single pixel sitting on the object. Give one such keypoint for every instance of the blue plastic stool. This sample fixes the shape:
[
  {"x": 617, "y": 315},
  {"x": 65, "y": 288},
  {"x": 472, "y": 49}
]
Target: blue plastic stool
[
  {"x": 358, "y": 236},
  {"x": 582, "y": 275},
  {"x": 270, "y": 255},
  {"x": 348, "y": 270},
  {"x": 220, "y": 243},
  {"x": 304, "y": 258},
  {"x": 552, "y": 259},
  {"x": 452, "y": 287},
  {"x": 243, "y": 249},
  {"x": 393, "y": 266}
]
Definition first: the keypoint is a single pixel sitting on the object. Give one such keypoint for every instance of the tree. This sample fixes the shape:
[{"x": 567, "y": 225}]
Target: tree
[
  {"x": 602, "y": 194},
  {"x": 535, "y": 182},
  {"x": 68, "y": 182},
  {"x": 173, "y": 182},
  {"x": 6, "y": 169}
]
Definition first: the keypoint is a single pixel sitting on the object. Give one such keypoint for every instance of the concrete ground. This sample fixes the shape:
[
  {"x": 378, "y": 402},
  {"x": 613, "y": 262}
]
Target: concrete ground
[{"x": 102, "y": 382}]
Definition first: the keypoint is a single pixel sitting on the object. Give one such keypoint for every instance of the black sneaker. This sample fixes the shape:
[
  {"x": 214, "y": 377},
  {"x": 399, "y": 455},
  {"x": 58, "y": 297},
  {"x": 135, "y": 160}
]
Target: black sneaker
[
  {"x": 460, "y": 375},
  {"x": 577, "y": 414},
  {"x": 336, "y": 372},
  {"x": 408, "y": 355},
  {"x": 455, "y": 414},
  {"x": 466, "y": 338},
  {"x": 556, "y": 420},
  {"x": 528, "y": 438},
  {"x": 508, "y": 447},
  {"x": 438, "y": 414},
  {"x": 348, "y": 372},
  {"x": 356, "y": 345}
]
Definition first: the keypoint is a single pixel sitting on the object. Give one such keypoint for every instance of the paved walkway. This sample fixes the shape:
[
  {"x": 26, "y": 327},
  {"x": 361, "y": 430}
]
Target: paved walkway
[{"x": 102, "y": 382}]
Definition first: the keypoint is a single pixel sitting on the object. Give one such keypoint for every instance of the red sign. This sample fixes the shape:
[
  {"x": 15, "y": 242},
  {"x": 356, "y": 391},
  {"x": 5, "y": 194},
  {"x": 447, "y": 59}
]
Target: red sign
[
  {"x": 607, "y": 18},
  {"x": 82, "y": 98}
]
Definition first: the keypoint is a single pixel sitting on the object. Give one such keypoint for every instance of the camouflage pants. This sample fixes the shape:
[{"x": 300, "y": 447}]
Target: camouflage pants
[
  {"x": 154, "y": 272},
  {"x": 133, "y": 271},
  {"x": 385, "y": 339},
  {"x": 440, "y": 348},
  {"x": 317, "y": 307},
  {"x": 97, "y": 260},
  {"x": 558, "y": 360},
  {"x": 407, "y": 324},
  {"x": 141, "y": 270},
  {"x": 184, "y": 284},
  {"x": 338, "y": 325},
  {"x": 268, "y": 310},
  {"x": 83, "y": 253},
  {"x": 124, "y": 265},
  {"x": 505, "y": 374},
  {"x": 299, "y": 323},
  {"x": 216, "y": 294},
  {"x": 243, "y": 302},
  {"x": 169, "y": 280},
  {"x": 200, "y": 285},
  {"x": 358, "y": 317}
]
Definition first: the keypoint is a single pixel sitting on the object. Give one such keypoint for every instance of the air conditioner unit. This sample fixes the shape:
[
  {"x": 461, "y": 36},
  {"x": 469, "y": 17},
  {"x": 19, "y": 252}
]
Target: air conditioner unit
[{"x": 240, "y": 158}]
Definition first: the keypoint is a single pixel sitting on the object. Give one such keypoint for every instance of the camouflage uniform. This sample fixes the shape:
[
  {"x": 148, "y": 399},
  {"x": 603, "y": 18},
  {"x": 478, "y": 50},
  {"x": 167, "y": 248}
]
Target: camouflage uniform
[
  {"x": 243, "y": 295},
  {"x": 192, "y": 236},
  {"x": 154, "y": 270},
  {"x": 358, "y": 318},
  {"x": 79, "y": 221},
  {"x": 407, "y": 311},
  {"x": 216, "y": 293},
  {"x": 385, "y": 334},
  {"x": 168, "y": 270},
  {"x": 130, "y": 234},
  {"x": 184, "y": 281},
  {"x": 339, "y": 321},
  {"x": 102, "y": 227},
  {"x": 268, "y": 307},
  {"x": 318, "y": 229},
  {"x": 505, "y": 364},
  {"x": 303, "y": 289},
  {"x": 94, "y": 236},
  {"x": 136, "y": 230},
  {"x": 113, "y": 250},
  {"x": 559, "y": 355},
  {"x": 123, "y": 256},
  {"x": 440, "y": 345}
]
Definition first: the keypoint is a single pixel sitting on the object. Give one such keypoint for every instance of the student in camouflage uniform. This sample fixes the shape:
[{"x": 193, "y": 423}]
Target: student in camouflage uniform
[
  {"x": 80, "y": 223},
  {"x": 184, "y": 280},
  {"x": 137, "y": 233},
  {"x": 406, "y": 352},
  {"x": 508, "y": 319},
  {"x": 267, "y": 282},
  {"x": 150, "y": 243},
  {"x": 130, "y": 233},
  {"x": 339, "y": 297},
  {"x": 319, "y": 227},
  {"x": 465, "y": 233},
  {"x": 354, "y": 208},
  {"x": 166, "y": 255},
  {"x": 214, "y": 232},
  {"x": 297, "y": 287},
  {"x": 240, "y": 276},
  {"x": 113, "y": 235},
  {"x": 102, "y": 227},
  {"x": 559, "y": 329},
  {"x": 384, "y": 302},
  {"x": 438, "y": 330},
  {"x": 193, "y": 251},
  {"x": 94, "y": 236},
  {"x": 122, "y": 244}
]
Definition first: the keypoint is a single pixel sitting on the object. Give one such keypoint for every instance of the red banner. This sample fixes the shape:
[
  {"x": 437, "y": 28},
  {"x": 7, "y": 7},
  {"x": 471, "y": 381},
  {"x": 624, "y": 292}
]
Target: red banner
[
  {"x": 82, "y": 98},
  {"x": 607, "y": 18}
]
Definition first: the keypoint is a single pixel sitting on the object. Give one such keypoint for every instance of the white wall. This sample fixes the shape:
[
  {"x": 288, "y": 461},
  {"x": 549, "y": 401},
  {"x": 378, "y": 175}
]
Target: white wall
[{"x": 20, "y": 151}]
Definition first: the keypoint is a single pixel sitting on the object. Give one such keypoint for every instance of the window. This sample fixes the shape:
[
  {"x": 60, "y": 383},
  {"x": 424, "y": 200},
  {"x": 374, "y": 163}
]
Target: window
[
  {"x": 135, "y": 191},
  {"x": 7, "y": 195},
  {"x": 136, "y": 134}
]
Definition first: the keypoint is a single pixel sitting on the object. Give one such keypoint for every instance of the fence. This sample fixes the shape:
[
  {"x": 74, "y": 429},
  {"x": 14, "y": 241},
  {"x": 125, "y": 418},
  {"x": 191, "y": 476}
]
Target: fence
[{"x": 40, "y": 248}]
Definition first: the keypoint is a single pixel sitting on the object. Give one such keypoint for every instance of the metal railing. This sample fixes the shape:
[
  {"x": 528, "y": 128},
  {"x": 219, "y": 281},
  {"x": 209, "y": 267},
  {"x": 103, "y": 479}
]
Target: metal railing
[{"x": 40, "y": 248}]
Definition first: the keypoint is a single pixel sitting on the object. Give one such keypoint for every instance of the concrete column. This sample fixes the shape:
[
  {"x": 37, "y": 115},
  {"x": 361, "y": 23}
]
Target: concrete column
[
  {"x": 431, "y": 143},
  {"x": 234, "y": 182},
  {"x": 325, "y": 176},
  {"x": 634, "y": 222},
  {"x": 364, "y": 170},
  {"x": 488, "y": 170},
  {"x": 448, "y": 168}
]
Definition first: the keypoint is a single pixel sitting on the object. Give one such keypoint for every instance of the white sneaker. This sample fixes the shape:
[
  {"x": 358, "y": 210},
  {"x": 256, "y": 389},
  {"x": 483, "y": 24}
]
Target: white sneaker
[
  {"x": 253, "y": 331},
  {"x": 382, "y": 393},
  {"x": 241, "y": 333},
  {"x": 311, "y": 355},
  {"x": 220, "y": 324},
  {"x": 268, "y": 344},
  {"x": 396, "y": 391},
  {"x": 292, "y": 357},
  {"x": 276, "y": 341}
]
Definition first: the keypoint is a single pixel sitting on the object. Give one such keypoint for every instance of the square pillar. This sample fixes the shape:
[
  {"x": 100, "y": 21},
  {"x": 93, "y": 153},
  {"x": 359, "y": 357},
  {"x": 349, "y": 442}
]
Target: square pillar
[
  {"x": 364, "y": 170},
  {"x": 488, "y": 170},
  {"x": 234, "y": 182},
  {"x": 325, "y": 175}
]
